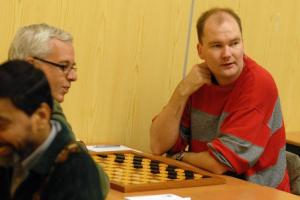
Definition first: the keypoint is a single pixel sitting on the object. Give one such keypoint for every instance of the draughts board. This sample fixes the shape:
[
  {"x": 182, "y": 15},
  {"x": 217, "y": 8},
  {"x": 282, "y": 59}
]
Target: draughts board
[{"x": 131, "y": 171}]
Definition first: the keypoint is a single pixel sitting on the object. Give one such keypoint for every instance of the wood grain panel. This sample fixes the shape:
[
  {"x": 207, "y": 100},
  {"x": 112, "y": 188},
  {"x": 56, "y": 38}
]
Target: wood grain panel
[{"x": 129, "y": 55}]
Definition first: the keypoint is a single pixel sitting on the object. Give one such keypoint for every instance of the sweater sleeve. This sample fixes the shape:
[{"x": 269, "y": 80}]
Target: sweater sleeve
[
  {"x": 245, "y": 135},
  {"x": 241, "y": 141}
]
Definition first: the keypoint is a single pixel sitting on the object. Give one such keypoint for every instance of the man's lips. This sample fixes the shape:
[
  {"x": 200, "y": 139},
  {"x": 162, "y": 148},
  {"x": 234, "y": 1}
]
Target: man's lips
[
  {"x": 66, "y": 89},
  {"x": 228, "y": 65}
]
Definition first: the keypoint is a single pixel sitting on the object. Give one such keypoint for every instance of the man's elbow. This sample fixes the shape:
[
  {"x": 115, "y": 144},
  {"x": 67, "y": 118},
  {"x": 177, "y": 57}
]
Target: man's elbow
[
  {"x": 156, "y": 150},
  {"x": 219, "y": 169},
  {"x": 156, "y": 146},
  {"x": 157, "y": 153}
]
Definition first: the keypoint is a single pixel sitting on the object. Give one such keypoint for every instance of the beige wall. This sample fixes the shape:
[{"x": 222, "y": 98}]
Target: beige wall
[{"x": 130, "y": 55}]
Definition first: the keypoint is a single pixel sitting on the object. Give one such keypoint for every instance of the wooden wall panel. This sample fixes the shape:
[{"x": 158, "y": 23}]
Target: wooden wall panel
[
  {"x": 129, "y": 58},
  {"x": 16, "y": 13}
]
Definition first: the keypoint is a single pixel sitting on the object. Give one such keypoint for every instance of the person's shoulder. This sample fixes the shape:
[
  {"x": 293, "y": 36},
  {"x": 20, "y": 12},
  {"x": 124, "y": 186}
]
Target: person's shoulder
[
  {"x": 74, "y": 163},
  {"x": 257, "y": 78},
  {"x": 257, "y": 72},
  {"x": 81, "y": 159},
  {"x": 76, "y": 173},
  {"x": 255, "y": 87},
  {"x": 57, "y": 112},
  {"x": 58, "y": 115},
  {"x": 57, "y": 107}
]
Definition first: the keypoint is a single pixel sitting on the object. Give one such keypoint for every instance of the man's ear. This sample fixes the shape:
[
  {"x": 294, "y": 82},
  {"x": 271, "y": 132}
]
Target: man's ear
[
  {"x": 43, "y": 112},
  {"x": 41, "y": 117},
  {"x": 29, "y": 59},
  {"x": 199, "y": 49},
  {"x": 40, "y": 124}
]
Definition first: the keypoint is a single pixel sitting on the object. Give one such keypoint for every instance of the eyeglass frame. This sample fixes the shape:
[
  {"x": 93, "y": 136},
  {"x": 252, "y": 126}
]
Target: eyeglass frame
[{"x": 65, "y": 68}]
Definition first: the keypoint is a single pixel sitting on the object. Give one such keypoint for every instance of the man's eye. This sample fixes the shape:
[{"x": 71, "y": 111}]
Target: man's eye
[
  {"x": 216, "y": 46},
  {"x": 235, "y": 43},
  {"x": 65, "y": 67}
]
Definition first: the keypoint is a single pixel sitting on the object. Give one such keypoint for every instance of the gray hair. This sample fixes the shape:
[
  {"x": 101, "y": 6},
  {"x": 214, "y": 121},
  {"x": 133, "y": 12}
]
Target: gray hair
[{"x": 33, "y": 40}]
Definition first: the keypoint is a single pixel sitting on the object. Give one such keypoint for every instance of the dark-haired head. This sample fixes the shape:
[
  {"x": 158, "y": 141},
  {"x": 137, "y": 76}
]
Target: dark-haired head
[{"x": 24, "y": 85}]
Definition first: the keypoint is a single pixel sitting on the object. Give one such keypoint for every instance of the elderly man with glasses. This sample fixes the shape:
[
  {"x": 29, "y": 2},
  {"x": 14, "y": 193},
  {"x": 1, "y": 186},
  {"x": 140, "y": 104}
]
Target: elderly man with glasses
[{"x": 51, "y": 50}]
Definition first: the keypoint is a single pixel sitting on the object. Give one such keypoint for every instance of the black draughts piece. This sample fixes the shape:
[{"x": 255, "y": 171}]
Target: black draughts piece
[
  {"x": 170, "y": 168},
  {"x": 137, "y": 162},
  {"x": 154, "y": 166},
  {"x": 172, "y": 174},
  {"x": 119, "y": 158},
  {"x": 102, "y": 155},
  {"x": 189, "y": 174}
]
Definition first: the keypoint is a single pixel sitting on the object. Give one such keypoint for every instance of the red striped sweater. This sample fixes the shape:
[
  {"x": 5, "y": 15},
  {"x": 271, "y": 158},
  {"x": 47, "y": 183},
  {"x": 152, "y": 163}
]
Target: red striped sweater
[{"x": 241, "y": 125}]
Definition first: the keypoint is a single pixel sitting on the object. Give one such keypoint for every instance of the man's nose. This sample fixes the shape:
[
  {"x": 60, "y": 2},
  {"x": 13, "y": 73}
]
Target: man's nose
[
  {"x": 72, "y": 75},
  {"x": 226, "y": 52}
]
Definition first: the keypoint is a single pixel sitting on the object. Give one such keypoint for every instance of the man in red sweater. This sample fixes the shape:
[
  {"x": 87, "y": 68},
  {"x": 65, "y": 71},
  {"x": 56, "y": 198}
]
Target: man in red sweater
[{"x": 226, "y": 111}]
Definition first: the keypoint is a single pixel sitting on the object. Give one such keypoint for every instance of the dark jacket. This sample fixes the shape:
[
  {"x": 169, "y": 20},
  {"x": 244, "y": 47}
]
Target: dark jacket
[
  {"x": 74, "y": 178},
  {"x": 58, "y": 115}
]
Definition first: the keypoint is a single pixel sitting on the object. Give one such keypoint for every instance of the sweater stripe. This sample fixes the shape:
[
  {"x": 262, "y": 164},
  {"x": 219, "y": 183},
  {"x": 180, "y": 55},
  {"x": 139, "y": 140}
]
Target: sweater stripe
[
  {"x": 244, "y": 149},
  {"x": 275, "y": 121},
  {"x": 273, "y": 175}
]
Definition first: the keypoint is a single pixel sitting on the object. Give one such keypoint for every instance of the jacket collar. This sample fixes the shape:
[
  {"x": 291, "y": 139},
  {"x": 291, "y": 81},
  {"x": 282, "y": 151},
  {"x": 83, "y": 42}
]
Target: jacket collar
[{"x": 47, "y": 159}]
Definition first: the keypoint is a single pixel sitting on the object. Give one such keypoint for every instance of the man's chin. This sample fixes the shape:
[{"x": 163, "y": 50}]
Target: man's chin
[
  {"x": 7, "y": 156},
  {"x": 6, "y": 151},
  {"x": 59, "y": 98}
]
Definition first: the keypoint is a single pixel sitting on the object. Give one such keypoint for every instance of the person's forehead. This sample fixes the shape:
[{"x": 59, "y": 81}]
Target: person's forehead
[
  {"x": 61, "y": 50},
  {"x": 218, "y": 19},
  {"x": 59, "y": 43},
  {"x": 7, "y": 108},
  {"x": 218, "y": 23}
]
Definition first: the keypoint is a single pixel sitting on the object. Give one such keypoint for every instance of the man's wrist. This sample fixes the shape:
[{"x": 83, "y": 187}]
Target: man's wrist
[
  {"x": 183, "y": 90},
  {"x": 179, "y": 156}
]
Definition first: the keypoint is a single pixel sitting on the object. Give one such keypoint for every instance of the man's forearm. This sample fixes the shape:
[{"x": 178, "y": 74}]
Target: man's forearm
[
  {"x": 205, "y": 161},
  {"x": 165, "y": 128}
]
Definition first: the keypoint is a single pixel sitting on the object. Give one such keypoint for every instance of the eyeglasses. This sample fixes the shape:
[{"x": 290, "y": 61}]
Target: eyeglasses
[{"x": 66, "y": 68}]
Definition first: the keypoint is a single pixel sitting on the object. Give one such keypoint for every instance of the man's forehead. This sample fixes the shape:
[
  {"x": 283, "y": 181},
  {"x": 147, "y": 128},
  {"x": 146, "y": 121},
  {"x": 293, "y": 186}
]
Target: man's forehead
[
  {"x": 6, "y": 108},
  {"x": 55, "y": 43},
  {"x": 9, "y": 111},
  {"x": 220, "y": 17},
  {"x": 61, "y": 50},
  {"x": 6, "y": 104},
  {"x": 59, "y": 42},
  {"x": 214, "y": 24}
]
